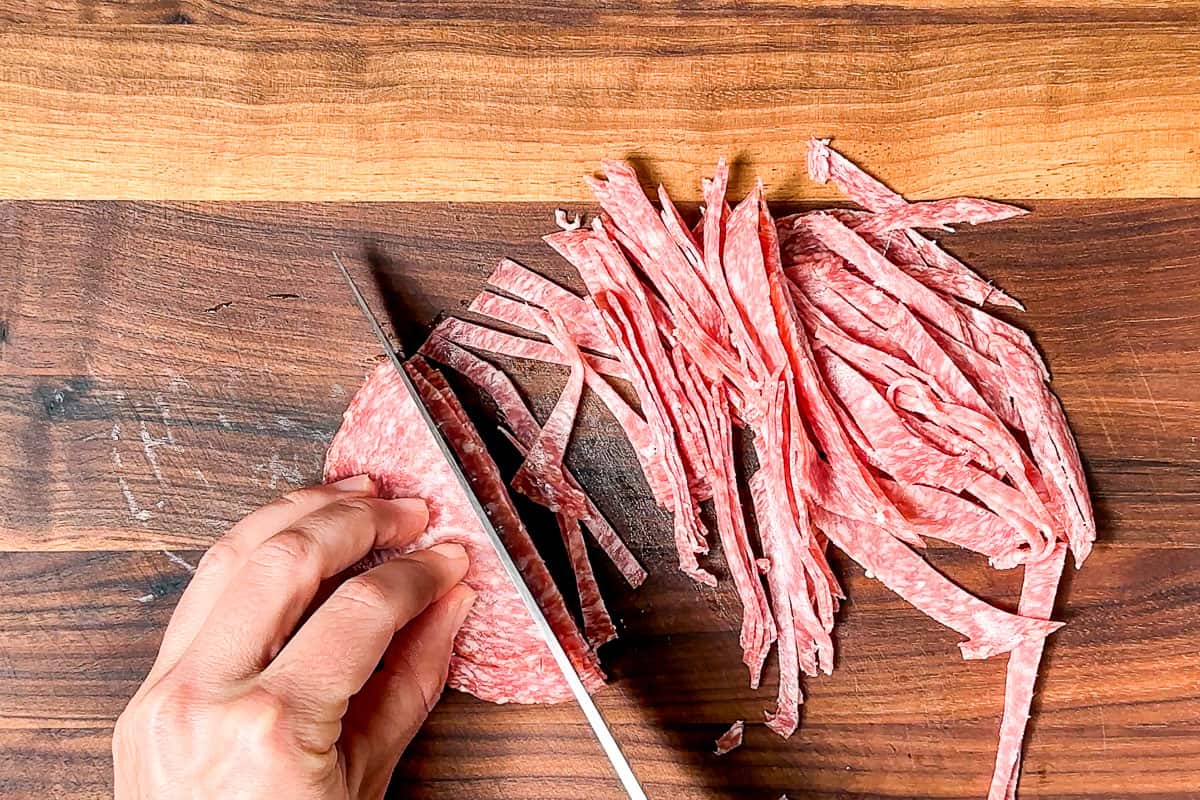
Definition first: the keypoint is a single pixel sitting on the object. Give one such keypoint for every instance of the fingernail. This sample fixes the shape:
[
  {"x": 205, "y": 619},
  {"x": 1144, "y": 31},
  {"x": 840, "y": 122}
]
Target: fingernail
[
  {"x": 463, "y": 604},
  {"x": 355, "y": 483},
  {"x": 451, "y": 550}
]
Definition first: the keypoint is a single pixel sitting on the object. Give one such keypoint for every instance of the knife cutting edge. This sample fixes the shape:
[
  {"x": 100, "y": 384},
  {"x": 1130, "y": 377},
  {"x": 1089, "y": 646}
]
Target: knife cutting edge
[{"x": 609, "y": 744}]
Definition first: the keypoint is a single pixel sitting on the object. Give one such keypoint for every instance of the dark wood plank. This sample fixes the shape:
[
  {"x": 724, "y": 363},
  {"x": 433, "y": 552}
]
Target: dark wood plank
[
  {"x": 902, "y": 716},
  {"x": 109, "y": 326}
]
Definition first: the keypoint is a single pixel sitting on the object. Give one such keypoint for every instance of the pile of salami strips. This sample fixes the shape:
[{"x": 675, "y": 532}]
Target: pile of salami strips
[{"x": 886, "y": 407}]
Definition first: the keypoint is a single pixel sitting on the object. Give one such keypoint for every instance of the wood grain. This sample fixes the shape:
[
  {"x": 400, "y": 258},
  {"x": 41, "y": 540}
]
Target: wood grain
[
  {"x": 117, "y": 322},
  {"x": 116, "y": 326},
  {"x": 222, "y": 12},
  {"x": 901, "y": 717},
  {"x": 449, "y": 109}
]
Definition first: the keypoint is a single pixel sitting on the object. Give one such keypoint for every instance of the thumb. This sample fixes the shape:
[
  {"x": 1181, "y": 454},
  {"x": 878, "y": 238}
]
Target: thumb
[{"x": 387, "y": 712}]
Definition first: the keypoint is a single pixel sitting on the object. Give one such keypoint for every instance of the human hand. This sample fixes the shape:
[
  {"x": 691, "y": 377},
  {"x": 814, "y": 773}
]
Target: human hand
[{"x": 242, "y": 703}]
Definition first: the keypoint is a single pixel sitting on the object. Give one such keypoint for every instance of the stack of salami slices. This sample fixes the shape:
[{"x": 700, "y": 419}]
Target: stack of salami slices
[{"x": 885, "y": 404}]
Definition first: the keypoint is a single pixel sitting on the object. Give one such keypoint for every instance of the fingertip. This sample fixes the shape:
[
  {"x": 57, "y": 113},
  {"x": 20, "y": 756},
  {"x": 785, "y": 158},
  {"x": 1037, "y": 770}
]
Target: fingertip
[
  {"x": 454, "y": 553},
  {"x": 411, "y": 515}
]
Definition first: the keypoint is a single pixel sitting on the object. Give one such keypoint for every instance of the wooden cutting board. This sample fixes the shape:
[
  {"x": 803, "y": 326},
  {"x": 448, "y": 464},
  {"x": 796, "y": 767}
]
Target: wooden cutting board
[{"x": 168, "y": 362}]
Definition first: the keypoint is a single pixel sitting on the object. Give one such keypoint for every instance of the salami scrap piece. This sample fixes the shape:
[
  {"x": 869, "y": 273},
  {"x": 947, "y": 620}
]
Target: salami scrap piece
[
  {"x": 499, "y": 654},
  {"x": 731, "y": 739}
]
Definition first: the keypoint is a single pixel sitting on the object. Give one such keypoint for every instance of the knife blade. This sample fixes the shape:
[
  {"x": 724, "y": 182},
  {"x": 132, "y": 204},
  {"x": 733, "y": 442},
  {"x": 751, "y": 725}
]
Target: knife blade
[{"x": 594, "y": 718}]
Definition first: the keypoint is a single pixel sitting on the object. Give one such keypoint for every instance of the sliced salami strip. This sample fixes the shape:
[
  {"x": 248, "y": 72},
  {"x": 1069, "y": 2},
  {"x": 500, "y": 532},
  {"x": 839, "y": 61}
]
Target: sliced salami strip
[
  {"x": 525, "y": 428},
  {"x": 825, "y": 164},
  {"x": 940, "y": 214},
  {"x": 597, "y": 623},
  {"x": 541, "y": 477},
  {"x": 1037, "y": 600},
  {"x": 523, "y": 315},
  {"x": 477, "y": 337},
  {"x": 525, "y": 284},
  {"x": 989, "y": 630}
]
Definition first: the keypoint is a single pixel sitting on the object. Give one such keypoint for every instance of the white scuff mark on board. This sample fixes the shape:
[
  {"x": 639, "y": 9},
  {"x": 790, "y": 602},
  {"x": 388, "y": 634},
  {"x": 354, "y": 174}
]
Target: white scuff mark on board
[
  {"x": 278, "y": 470},
  {"x": 148, "y": 445},
  {"x": 285, "y": 423},
  {"x": 180, "y": 562},
  {"x": 336, "y": 391},
  {"x": 147, "y": 598},
  {"x": 135, "y": 511},
  {"x": 151, "y": 443},
  {"x": 200, "y": 476},
  {"x": 164, "y": 412},
  {"x": 223, "y": 420}
]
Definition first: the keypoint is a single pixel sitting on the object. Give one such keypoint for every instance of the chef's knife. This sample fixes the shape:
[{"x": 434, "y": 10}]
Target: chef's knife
[{"x": 611, "y": 749}]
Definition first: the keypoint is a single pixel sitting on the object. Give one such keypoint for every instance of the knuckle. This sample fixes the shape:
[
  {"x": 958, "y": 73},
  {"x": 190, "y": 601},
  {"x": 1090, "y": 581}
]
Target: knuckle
[
  {"x": 221, "y": 556},
  {"x": 353, "y": 509},
  {"x": 365, "y": 594},
  {"x": 294, "y": 498},
  {"x": 289, "y": 549},
  {"x": 165, "y": 710},
  {"x": 258, "y": 721}
]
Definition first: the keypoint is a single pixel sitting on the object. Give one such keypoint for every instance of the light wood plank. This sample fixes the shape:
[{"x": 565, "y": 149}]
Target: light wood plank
[
  {"x": 259, "y": 12},
  {"x": 447, "y": 110}
]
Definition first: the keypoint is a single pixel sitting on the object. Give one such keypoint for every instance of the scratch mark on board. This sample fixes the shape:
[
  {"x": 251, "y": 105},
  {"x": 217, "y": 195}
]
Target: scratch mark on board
[
  {"x": 202, "y": 477},
  {"x": 277, "y": 470},
  {"x": 1149, "y": 392},
  {"x": 135, "y": 510},
  {"x": 179, "y": 561}
]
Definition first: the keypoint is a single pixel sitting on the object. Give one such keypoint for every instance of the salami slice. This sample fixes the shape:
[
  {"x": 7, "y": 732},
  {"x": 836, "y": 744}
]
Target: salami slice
[
  {"x": 499, "y": 655},
  {"x": 885, "y": 407}
]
